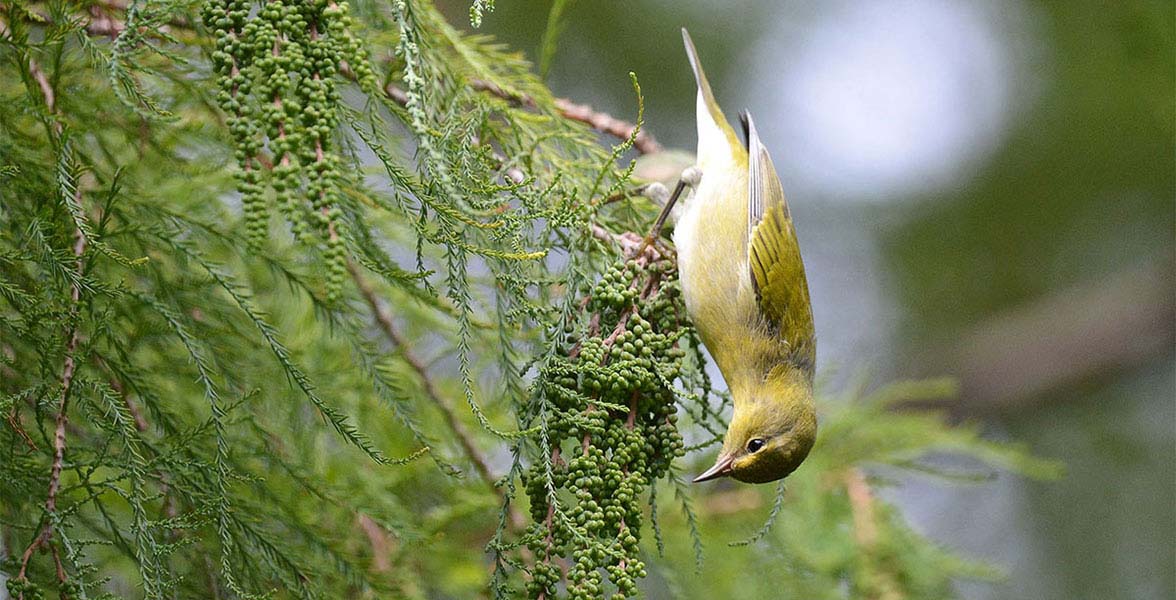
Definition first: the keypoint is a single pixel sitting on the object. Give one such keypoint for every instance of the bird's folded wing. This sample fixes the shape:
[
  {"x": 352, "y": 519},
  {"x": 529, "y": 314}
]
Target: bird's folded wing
[{"x": 777, "y": 272}]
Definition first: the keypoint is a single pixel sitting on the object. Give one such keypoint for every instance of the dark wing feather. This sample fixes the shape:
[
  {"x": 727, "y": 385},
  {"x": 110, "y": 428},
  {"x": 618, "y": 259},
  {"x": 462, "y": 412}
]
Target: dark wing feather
[{"x": 777, "y": 271}]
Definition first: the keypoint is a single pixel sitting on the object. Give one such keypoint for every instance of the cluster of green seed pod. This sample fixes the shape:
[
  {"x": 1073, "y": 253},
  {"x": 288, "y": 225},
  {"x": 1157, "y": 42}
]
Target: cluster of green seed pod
[
  {"x": 23, "y": 589},
  {"x": 614, "y": 435},
  {"x": 278, "y": 65}
]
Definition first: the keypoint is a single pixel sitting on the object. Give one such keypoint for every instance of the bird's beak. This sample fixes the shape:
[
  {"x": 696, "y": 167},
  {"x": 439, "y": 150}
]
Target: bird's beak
[{"x": 722, "y": 468}]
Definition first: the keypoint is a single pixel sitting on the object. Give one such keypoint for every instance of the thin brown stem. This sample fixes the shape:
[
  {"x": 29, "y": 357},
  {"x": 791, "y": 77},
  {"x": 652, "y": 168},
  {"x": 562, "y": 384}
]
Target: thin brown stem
[
  {"x": 132, "y": 407},
  {"x": 14, "y": 423},
  {"x": 606, "y": 123},
  {"x": 597, "y": 120},
  {"x": 69, "y": 366},
  {"x": 600, "y": 121}
]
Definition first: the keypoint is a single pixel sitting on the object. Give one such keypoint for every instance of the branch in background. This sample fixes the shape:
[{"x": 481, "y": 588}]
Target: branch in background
[
  {"x": 117, "y": 385},
  {"x": 1119, "y": 322},
  {"x": 46, "y": 89},
  {"x": 136, "y": 414},
  {"x": 103, "y": 23},
  {"x": 14, "y": 422},
  {"x": 384, "y": 319}
]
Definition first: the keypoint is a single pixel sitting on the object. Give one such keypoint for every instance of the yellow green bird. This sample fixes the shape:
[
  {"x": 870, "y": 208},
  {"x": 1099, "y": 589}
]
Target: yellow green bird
[{"x": 745, "y": 289}]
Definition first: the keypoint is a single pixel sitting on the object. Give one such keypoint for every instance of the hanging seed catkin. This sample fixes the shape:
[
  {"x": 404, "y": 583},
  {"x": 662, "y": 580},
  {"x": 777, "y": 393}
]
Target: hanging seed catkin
[
  {"x": 614, "y": 434},
  {"x": 278, "y": 64}
]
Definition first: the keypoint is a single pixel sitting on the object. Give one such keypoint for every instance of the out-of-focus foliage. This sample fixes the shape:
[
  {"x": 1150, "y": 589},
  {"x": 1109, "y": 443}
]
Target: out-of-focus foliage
[
  {"x": 202, "y": 402},
  {"x": 828, "y": 534}
]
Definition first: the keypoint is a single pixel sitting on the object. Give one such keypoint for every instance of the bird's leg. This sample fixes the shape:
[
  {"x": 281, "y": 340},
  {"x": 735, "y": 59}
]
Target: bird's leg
[
  {"x": 690, "y": 177},
  {"x": 654, "y": 191}
]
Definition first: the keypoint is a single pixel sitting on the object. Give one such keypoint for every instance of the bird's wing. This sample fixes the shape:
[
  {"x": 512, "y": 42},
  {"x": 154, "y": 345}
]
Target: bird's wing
[{"x": 777, "y": 272}]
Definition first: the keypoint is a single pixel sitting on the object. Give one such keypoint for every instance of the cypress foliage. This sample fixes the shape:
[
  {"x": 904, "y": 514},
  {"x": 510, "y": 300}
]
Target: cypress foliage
[{"x": 292, "y": 291}]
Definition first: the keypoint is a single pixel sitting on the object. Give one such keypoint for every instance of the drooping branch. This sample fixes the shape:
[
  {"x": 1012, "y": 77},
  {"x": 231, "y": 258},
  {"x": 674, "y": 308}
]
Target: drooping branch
[
  {"x": 387, "y": 326},
  {"x": 378, "y": 539}
]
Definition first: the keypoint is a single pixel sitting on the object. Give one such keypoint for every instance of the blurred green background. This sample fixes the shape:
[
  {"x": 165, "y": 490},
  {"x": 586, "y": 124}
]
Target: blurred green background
[{"x": 982, "y": 188}]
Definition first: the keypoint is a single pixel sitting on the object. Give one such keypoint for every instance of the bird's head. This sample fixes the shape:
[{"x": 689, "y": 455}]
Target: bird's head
[{"x": 770, "y": 433}]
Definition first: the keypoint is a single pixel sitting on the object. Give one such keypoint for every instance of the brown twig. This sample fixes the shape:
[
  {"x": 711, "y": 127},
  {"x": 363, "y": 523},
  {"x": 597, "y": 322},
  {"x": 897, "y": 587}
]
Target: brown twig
[
  {"x": 67, "y": 375},
  {"x": 117, "y": 386},
  {"x": 46, "y": 88},
  {"x": 14, "y": 423},
  {"x": 606, "y": 123},
  {"x": 99, "y": 24},
  {"x": 600, "y": 121},
  {"x": 104, "y": 24},
  {"x": 69, "y": 366},
  {"x": 603, "y": 234}
]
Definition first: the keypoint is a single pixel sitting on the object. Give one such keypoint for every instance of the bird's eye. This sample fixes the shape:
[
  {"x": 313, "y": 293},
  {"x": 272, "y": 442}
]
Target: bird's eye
[{"x": 754, "y": 445}]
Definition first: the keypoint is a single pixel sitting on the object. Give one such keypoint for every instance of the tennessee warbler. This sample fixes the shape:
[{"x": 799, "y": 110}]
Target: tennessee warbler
[{"x": 744, "y": 286}]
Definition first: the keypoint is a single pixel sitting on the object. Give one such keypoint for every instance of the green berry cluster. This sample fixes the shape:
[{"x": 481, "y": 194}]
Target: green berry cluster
[
  {"x": 23, "y": 589},
  {"x": 232, "y": 60},
  {"x": 278, "y": 66},
  {"x": 614, "y": 435}
]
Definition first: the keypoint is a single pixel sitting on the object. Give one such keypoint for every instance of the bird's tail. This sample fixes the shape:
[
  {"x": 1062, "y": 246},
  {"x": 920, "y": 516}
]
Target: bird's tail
[{"x": 716, "y": 139}]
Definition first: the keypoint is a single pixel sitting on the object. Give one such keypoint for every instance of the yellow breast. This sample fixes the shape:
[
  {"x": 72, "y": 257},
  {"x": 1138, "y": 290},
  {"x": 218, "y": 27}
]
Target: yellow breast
[{"x": 711, "y": 240}]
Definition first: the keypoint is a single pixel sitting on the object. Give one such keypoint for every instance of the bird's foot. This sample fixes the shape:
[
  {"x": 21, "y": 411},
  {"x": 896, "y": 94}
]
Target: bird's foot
[{"x": 690, "y": 177}]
